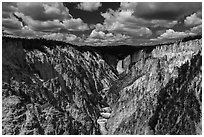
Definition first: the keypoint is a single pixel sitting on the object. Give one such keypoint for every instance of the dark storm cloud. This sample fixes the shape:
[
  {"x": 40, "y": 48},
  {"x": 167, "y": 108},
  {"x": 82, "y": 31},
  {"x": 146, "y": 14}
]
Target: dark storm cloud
[{"x": 165, "y": 10}]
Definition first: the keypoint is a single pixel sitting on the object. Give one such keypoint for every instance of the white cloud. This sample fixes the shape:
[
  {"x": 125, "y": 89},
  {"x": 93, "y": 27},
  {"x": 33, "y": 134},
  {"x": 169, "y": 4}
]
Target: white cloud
[
  {"x": 97, "y": 34},
  {"x": 55, "y": 25},
  {"x": 193, "y": 20},
  {"x": 71, "y": 37},
  {"x": 61, "y": 37},
  {"x": 11, "y": 23},
  {"x": 119, "y": 15},
  {"x": 197, "y": 29},
  {"x": 43, "y": 20},
  {"x": 123, "y": 25},
  {"x": 54, "y": 36},
  {"x": 171, "y": 34},
  {"x": 44, "y": 17},
  {"x": 89, "y": 6},
  {"x": 99, "y": 27},
  {"x": 75, "y": 25},
  {"x": 100, "y": 38},
  {"x": 25, "y": 32},
  {"x": 8, "y": 8},
  {"x": 109, "y": 35},
  {"x": 40, "y": 25},
  {"x": 134, "y": 31},
  {"x": 122, "y": 21},
  {"x": 128, "y": 5},
  {"x": 44, "y": 11},
  {"x": 163, "y": 23}
]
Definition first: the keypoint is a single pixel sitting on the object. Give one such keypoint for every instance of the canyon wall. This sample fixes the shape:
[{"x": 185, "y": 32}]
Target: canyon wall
[
  {"x": 55, "y": 88},
  {"x": 161, "y": 94}
]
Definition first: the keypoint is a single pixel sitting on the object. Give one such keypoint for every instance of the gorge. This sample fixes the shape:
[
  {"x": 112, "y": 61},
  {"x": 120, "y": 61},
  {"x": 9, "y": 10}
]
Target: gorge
[{"x": 55, "y": 88}]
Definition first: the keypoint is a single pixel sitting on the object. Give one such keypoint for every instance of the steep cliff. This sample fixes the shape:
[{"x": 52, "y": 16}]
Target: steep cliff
[
  {"x": 51, "y": 87},
  {"x": 52, "y": 90},
  {"x": 161, "y": 94}
]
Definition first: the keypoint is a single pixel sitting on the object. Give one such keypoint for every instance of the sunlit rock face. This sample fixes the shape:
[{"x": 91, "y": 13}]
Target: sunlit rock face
[
  {"x": 123, "y": 65},
  {"x": 54, "y": 91},
  {"x": 161, "y": 94},
  {"x": 54, "y": 88},
  {"x": 119, "y": 67}
]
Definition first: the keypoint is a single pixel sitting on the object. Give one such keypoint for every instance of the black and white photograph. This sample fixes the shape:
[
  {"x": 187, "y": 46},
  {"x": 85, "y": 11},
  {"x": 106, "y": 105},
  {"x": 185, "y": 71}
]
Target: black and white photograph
[{"x": 101, "y": 68}]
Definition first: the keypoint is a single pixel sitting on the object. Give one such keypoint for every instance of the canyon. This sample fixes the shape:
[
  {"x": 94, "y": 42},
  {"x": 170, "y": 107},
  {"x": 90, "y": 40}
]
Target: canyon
[{"x": 55, "y": 88}]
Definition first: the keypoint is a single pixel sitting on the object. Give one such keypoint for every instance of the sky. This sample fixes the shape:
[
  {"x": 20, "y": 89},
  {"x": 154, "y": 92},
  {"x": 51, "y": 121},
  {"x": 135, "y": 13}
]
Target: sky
[{"x": 103, "y": 23}]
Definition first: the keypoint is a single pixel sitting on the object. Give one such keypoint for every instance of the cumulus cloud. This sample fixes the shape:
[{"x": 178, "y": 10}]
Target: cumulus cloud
[
  {"x": 54, "y": 36},
  {"x": 55, "y": 25},
  {"x": 163, "y": 23},
  {"x": 71, "y": 37},
  {"x": 97, "y": 34},
  {"x": 89, "y": 6},
  {"x": 100, "y": 38},
  {"x": 131, "y": 22},
  {"x": 42, "y": 17},
  {"x": 99, "y": 27},
  {"x": 41, "y": 20},
  {"x": 197, "y": 29},
  {"x": 44, "y": 11},
  {"x": 27, "y": 32},
  {"x": 40, "y": 25},
  {"x": 171, "y": 34},
  {"x": 193, "y": 20},
  {"x": 8, "y": 8},
  {"x": 61, "y": 37},
  {"x": 75, "y": 25},
  {"x": 128, "y": 5},
  {"x": 11, "y": 23},
  {"x": 122, "y": 21},
  {"x": 136, "y": 31},
  {"x": 24, "y": 32}
]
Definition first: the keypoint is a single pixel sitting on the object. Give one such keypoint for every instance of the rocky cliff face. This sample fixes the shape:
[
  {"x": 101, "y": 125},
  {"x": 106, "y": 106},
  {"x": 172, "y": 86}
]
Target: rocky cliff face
[
  {"x": 54, "y": 91},
  {"x": 62, "y": 89},
  {"x": 161, "y": 94}
]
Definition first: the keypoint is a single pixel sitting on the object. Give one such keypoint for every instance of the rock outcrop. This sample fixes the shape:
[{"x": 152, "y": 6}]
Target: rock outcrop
[
  {"x": 57, "y": 90},
  {"x": 53, "y": 88},
  {"x": 161, "y": 94},
  {"x": 102, "y": 121}
]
